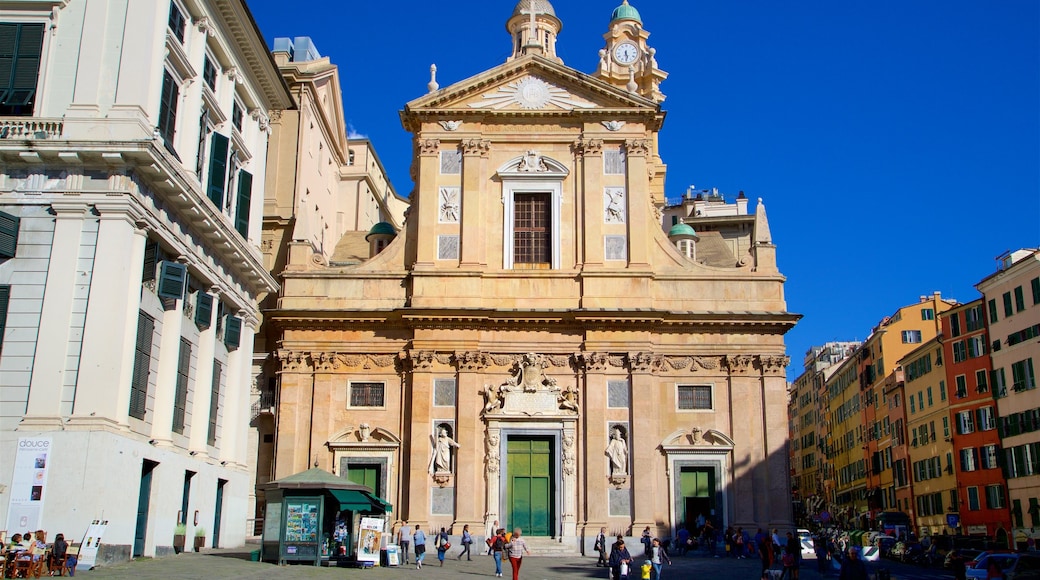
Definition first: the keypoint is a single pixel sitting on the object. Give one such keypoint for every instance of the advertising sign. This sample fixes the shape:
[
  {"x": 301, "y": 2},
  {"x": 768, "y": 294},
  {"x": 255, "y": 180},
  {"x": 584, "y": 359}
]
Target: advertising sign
[
  {"x": 91, "y": 542},
  {"x": 29, "y": 484},
  {"x": 302, "y": 521},
  {"x": 370, "y": 537}
]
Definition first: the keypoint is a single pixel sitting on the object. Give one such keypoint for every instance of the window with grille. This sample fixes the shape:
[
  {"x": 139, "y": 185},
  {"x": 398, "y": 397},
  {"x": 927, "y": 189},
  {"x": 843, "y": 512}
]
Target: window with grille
[
  {"x": 180, "y": 399},
  {"x": 532, "y": 243},
  {"x": 366, "y": 394},
  {"x": 142, "y": 366},
  {"x": 694, "y": 397}
]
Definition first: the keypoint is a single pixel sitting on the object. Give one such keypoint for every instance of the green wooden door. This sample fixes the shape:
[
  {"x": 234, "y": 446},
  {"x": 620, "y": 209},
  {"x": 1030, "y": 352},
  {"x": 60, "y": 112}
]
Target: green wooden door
[
  {"x": 366, "y": 475},
  {"x": 529, "y": 485}
]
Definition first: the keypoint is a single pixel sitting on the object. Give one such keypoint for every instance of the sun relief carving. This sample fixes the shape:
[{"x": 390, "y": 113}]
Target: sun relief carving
[{"x": 531, "y": 93}]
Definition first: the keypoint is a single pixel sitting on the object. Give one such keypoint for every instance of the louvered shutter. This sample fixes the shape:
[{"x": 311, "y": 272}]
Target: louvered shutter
[
  {"x": 8, "y": 235},
  {"x": 142, "y": 364},
  {"x": 20, "y": 48},
  {"x": 180, "y": 400},
  {"x": 218, "y": 152},
  {"x": 151, "y": 259},
  {"x": 203, "y": 310},
  {"x": 245, "y": 191},
  {"x": 233, "y": 332},
  {"x": 214, "y": 403},
  {"x": 168, "y": 109},
  {"x": 172, "y": 277},
  {"x": 5, "y": 299}
]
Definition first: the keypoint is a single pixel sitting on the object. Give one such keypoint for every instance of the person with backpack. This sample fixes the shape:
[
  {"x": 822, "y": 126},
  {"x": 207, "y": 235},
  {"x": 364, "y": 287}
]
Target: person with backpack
[{"x": 498, "y": 547}]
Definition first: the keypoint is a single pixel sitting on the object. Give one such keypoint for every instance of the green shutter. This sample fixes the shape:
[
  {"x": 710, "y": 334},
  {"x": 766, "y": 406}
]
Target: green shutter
[
  {"x": 142, "y": 364},
  {"x": 151, "y": 258},
  {"x": 172, "y": 278},
  {"x": 168, "y": 99},
  {"x": 218, "y": 152},
  {"x": 245, "y": 190},
  {"x": 20, "y": 48},
  {"x": 214, "y": 403},
  {"x": 233, "y": 332},
  {"x": 8, "y": 235},
  {"x": 5, "y": 299},
  {"x": 180, "y": 400},
  {"x": 203, "y": 310}
]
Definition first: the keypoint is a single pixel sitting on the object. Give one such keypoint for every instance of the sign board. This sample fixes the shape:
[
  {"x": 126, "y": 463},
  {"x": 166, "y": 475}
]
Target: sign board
[
  {"x": 954, "y": 520},
  {"x": 370, "y": 536},
  {"x": 977, "y": 529},
  {"x": 301, "y": 517},
  {"x": 91, "y": 542},
  {"x": 29, "y": 484}
]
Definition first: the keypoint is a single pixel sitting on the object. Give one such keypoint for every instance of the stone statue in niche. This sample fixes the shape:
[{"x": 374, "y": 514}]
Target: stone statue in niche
[
  {"x": 617, "y": 451},
  {"x": 442, "y": 453}
]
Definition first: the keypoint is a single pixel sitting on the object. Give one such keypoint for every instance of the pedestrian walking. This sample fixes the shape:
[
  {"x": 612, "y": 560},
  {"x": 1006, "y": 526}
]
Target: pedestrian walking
[
  {"x": 853, "y": 568},
  {"x": 498, "y": 548},
  {"x": 517, "y": 548},
  {"x": 620, "y": 561},
  {"x": 404, "y": 539},
  {"x": 658, "y": 558},
  {"x": 646, "y": 539},
  {"x": 467, "y": 540},
  {"x": 791, "y": 552},
  {"x": 443, "y": 545},
  {"x": 682, "y": 538},
  {"x": 419, "y": 541},
  {"x": 601, "y": 547}
]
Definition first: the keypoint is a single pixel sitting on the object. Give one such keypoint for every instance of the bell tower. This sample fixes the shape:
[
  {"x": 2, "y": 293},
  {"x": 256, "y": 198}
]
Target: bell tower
[
  {"x": 627, "y": 60},
  {"x": 534, "y": 28}
]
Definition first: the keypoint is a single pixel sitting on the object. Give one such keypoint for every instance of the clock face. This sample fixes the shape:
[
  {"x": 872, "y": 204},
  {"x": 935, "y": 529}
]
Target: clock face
[{"x": 626, "y": 53}]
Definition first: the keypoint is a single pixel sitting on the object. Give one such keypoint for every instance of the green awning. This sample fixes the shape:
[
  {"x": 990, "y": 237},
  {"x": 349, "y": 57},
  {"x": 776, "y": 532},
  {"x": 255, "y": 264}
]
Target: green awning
[{"x": 358, "y": 501}]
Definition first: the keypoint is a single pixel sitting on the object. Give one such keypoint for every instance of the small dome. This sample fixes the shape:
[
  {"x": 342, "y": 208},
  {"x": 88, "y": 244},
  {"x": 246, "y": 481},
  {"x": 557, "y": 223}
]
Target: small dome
[
  {"x": 681, "y": 229},
  {"x": 625, "y": 12},
  {"x": 381, "y": 229},
  {"x": 540, "y": 7}
]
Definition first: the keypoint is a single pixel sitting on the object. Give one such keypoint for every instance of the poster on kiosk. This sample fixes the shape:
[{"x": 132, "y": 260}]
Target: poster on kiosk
[{"x": 370, "y": 538}]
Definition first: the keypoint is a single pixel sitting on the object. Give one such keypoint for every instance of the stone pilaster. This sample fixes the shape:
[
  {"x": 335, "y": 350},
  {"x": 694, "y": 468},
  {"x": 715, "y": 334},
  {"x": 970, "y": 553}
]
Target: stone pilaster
[
  {"x": 592, "y": 374},
  {"x": 50, "y": 363},
  {"x": 295, "y": 376},
  {"x": 203, "y": 401},
  {"x": 474, "y": 174},
  {"x": 469, "y": 428},
  {"x": 774, "y": 392},
  {"x": 419, "y": 481},
  {"x": 638, "y": 193},
  {"x": 748, "y": 456},
  {"x": 589, "y": 154},
  {"x": 426, "y": 204},
  {"x": 643, "y": 441}
]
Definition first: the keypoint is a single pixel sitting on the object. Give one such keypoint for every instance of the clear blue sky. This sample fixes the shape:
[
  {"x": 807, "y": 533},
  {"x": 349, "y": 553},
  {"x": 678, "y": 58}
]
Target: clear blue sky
[{"x": 896, "y": 144}]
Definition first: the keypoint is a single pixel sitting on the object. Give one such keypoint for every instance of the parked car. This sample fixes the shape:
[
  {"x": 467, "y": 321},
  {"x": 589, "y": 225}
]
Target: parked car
[
  {"x": 967, "y": 554},
  {"x": 806, "y": 540},
  {"x": 1004, "y": 559},
  {"x": 1025, "y": 567}
]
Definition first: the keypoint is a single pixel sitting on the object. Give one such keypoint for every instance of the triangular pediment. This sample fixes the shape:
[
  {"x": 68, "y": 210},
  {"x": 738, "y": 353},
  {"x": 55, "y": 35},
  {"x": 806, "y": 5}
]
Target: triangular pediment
[{"x": 531, "y": 85}]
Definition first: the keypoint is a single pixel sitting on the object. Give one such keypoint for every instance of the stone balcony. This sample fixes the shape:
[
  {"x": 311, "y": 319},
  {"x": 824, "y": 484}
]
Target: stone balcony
[{"x": 30, "y": 128}]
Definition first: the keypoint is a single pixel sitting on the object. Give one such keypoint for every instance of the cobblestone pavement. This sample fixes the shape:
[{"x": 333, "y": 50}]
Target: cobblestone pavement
[{"x": 235, "y": 564}]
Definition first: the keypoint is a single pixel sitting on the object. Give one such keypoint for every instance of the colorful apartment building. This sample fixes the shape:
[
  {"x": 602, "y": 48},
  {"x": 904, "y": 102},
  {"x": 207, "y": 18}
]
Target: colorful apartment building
[
  {"x": 980, "y": 502},
  {"x": 1012, "y": 298}
]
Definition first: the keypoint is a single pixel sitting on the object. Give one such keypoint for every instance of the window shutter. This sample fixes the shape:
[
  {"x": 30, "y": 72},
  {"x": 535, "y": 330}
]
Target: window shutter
[
  {"x": 168, "y": 99},
  {"x": 8, "y": 235},
  {"x": 5, "y": 299},
  {"x": 172, "y": 277},
  {"x": 214, "y": 403},
  {"x": 20, "y": 48},
  {"x": 233, "y": 332},
  {"x": 203, "y": 310},
  {"x": 180, "y": 401},
  {"x": 245, "y": 191},
  {"x": 218, "y": 152},
  {"x": 142, "y": 364},
  {"x": 151, "y": 258}
]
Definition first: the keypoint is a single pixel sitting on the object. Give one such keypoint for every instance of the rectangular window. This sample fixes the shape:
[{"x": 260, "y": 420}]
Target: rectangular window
[
  {"x": 244, "y": 199},
  {"x": 1034, "y": 285},
  {"x": 236, "y": 115},
  {"x": 995, "y": 497},
  {"x": 218, "y": 165},
  {"x": 232, "y": 332},
  {"x": 1008, "y": 311},
  {"x": 992, "y": 305},
  {"x": 976, "y": 346},
  {"x": 168, "y": 99},
  {"x": 214, "y": 402},
  {"x": 448, "y": 247},
  {"x": 366, "y": 395},
  {"x": 988, "y": 457},
  {"x": 911, "y": 336},
  {"x": 965, "y": 422},
  {"x": 920, "y": 400},
  {"x": 1022, "y": 375},
  {"x": 532, "y": 242},
  {"x": 142, "y": 366},
  {"x": 981, "y": 384},
  {"x": 973, "y": 498},
  {"x": 209, "y": 73},
  {"x": 451, "y": 162},
  {"x": 617, "y": 395},
  {"x": 913, "y": 408},
  {"x": 613, "y": 161},
  {"x": 929, "y": 396},
  {"x": 946, "y": 427},
  {"x": 5, "y": 299},
  {"x": 8, "y": 234},
  {"x": 942, "y": 390},
  {"x": 1020, "y": 299},
  {"x": 955, "y": 324},
  {"x": 974, "y": 319},
  {"x": 986, "y": 420},
  {"x": 21, "y": 46},
  {"x": 444, "y": 392},
  {"x": 927, "y": 314},
  {"x": 694, "y": 397},
  {"x": 177, "y": 22},
  {"x": 968, "y": 459},
  {"x": 998, "y": 380},
  {"x": 960, "y": 351},
  {"x": 180, "y": 398}
]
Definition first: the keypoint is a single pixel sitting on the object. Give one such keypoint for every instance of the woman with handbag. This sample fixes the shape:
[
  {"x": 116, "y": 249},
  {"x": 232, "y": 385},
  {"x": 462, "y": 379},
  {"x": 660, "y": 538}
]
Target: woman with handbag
[
  {"x": 467, "y": 539},
  {"x": 443, "y": 545}
]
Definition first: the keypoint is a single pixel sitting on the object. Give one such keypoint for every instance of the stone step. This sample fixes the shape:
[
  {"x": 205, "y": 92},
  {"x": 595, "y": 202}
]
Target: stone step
[{"x": 551, "y": 547}]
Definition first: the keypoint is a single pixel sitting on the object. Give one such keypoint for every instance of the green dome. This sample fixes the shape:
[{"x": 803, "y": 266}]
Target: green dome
[
  {"x": 381, "y": 229},
  {"x": 625, "y": 12},
  {"x": 681, "y": 229}
]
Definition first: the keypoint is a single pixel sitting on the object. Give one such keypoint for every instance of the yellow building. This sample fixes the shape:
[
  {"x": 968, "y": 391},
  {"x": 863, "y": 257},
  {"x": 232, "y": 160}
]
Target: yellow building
[
  {"x": 929, "y": 433},
  {"x": 532, "y": 347}
]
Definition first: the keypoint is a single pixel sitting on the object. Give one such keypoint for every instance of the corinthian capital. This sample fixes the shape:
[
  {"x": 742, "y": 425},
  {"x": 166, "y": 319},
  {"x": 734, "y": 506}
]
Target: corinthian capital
[
  {"x": 637, "y": 147},
  {"x": 474, "y": 147},
  {"x": 428, "y": 146}
]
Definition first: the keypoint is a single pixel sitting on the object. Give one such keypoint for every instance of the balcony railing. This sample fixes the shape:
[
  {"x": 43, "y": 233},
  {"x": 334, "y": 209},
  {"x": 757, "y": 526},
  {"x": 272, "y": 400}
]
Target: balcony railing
[
  {"x": 264, "y": 404},
  {"x": 30, "y": 128}
]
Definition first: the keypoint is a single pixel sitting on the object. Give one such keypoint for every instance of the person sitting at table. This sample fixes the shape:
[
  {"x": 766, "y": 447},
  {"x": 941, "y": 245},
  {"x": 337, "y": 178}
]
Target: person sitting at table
[
  {"x": 60, "y": 548},
  {"x": 40, "y": 545},
  {"x": 15, "y": 545}
]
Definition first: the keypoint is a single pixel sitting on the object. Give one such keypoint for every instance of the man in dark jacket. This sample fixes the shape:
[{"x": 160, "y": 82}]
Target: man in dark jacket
[
  {"x": 619, "y": 555},
  {"x": 853, "y": 568}
]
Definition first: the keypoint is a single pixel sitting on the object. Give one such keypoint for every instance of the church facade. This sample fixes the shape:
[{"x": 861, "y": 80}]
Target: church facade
[{"x": 539, "y": 345}]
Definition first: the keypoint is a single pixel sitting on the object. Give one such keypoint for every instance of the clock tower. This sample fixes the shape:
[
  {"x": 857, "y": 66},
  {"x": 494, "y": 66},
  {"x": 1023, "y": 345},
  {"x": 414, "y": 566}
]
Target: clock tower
[{"x": 627, "y": 60}]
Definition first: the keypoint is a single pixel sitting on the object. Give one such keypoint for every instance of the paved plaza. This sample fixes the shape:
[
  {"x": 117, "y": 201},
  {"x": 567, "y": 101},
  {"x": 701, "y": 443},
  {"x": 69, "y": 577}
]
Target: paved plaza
[{"x": 236, "y": 564}]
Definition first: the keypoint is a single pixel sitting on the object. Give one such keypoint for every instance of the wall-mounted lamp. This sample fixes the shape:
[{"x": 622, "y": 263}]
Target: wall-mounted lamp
[
  {"x": 223, "y": 463},
  {"x": 193, "y": 453},
  {"x": 151, "y": 441}
]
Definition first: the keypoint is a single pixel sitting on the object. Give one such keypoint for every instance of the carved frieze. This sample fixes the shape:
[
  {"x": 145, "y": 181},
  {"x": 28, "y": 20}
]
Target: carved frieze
[
  {"x": 292, "y": 360},
  {"x": 470, "y": 360},
  {"x": 588, "y": 147},
  {"x": 558, "y": 360},
  {"x": 774, "y": 364},
  {"x": 421, "y": 359},
  {"x": 637, "y": 147},
  {"x": 476, "y": 147},
  {"x": 503, "y": 360},
  {"x": 530, "y": 392},
  {"x": 739, "y": 364},
  {"x": 643, "y": 362},
  {"x": 450, "y": 125},
  {"x": 428, "y": 146}
]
